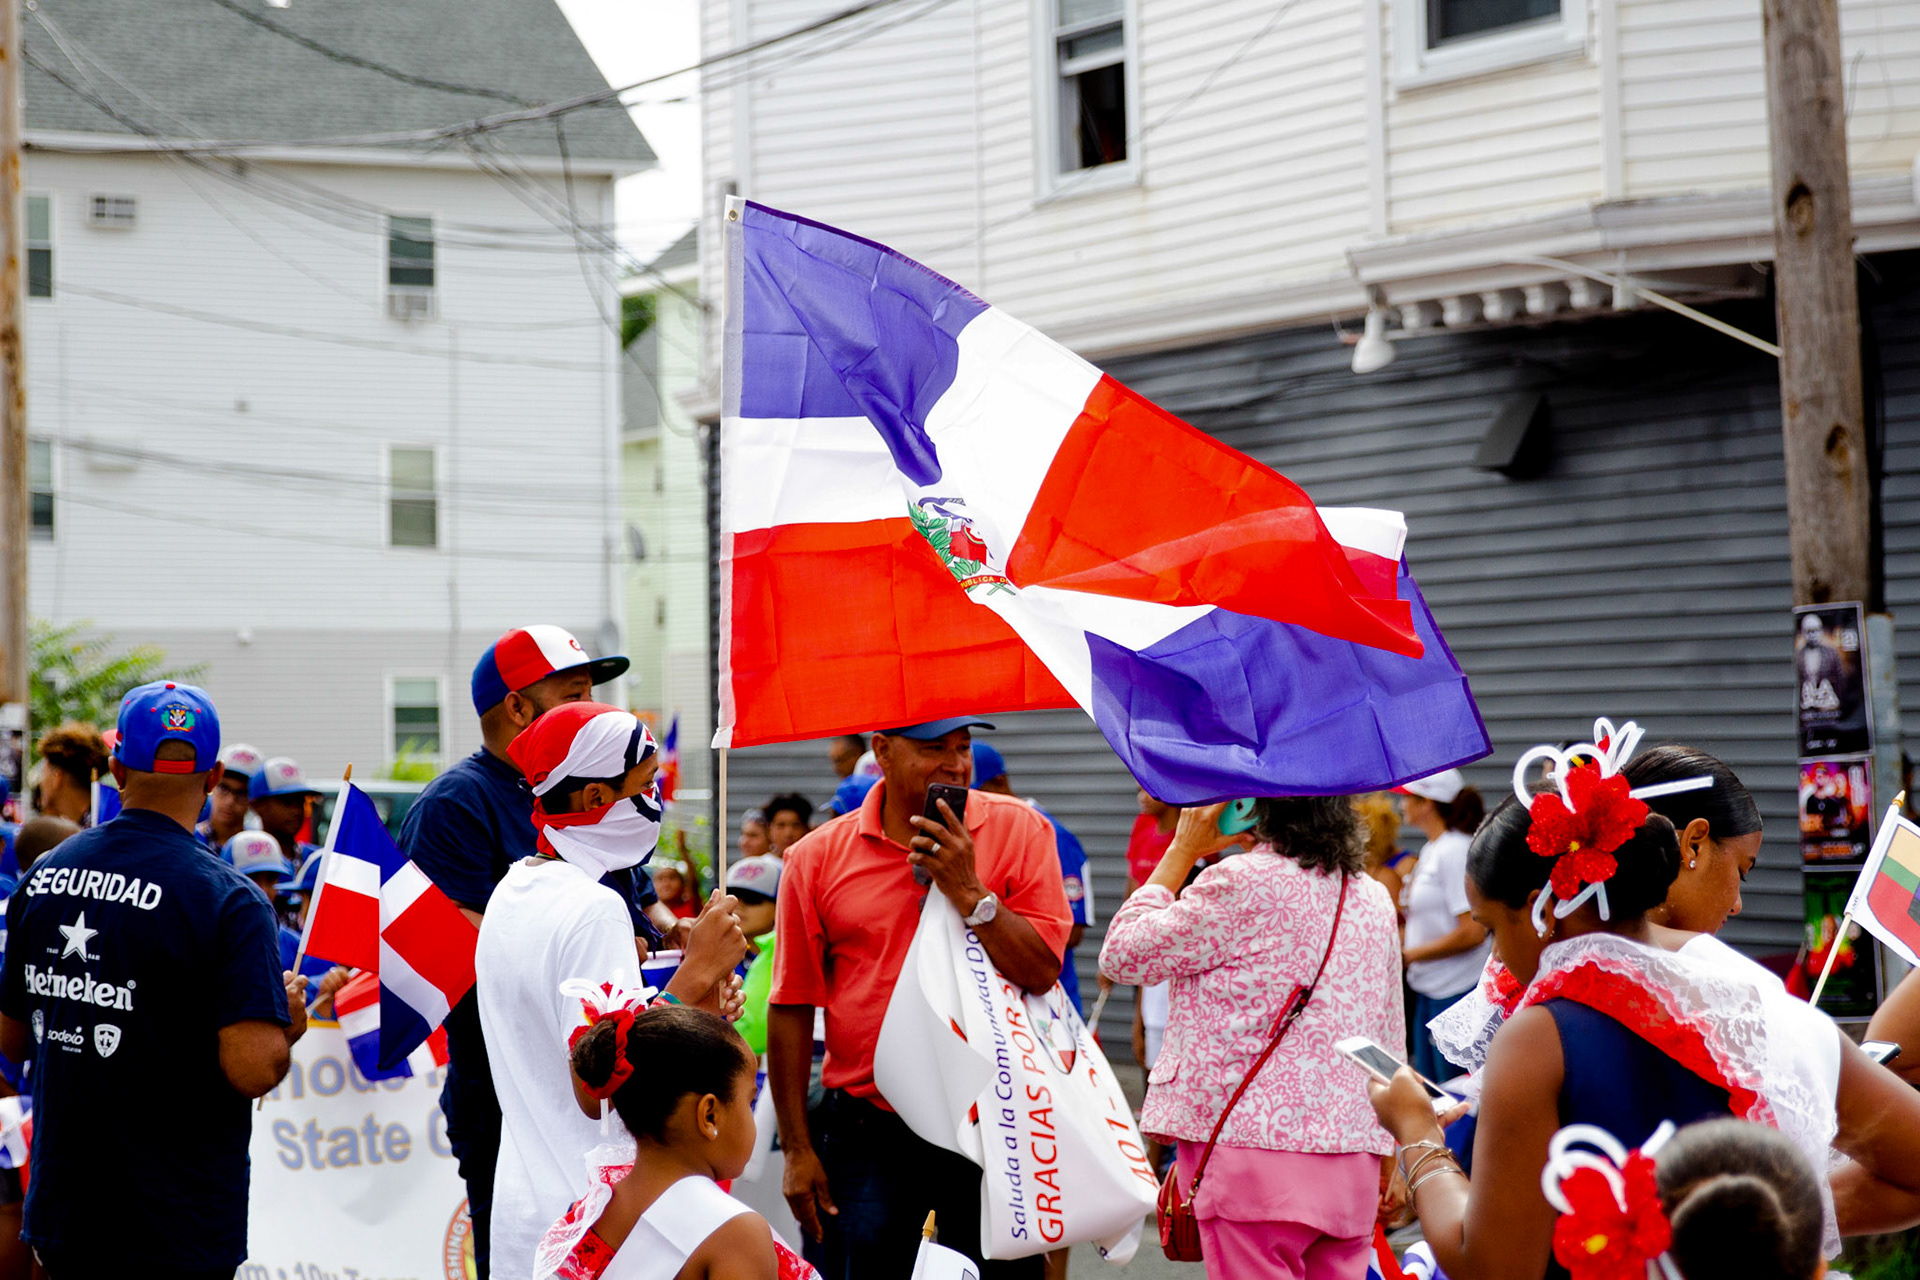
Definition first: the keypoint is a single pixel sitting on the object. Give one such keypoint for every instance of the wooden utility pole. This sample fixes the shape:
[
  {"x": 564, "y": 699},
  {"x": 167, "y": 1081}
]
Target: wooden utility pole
[
  {"x": 14, "y": 517},
  {"x": 1828, "y": 485}
]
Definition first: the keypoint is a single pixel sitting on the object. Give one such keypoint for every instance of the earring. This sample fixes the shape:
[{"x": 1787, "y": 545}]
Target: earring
[{"x": 1692, "y": 863}]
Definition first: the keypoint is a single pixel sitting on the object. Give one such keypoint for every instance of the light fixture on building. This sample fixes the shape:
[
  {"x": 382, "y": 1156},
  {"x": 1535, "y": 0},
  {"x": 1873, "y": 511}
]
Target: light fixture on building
[{"x": 1373, "y": 351}]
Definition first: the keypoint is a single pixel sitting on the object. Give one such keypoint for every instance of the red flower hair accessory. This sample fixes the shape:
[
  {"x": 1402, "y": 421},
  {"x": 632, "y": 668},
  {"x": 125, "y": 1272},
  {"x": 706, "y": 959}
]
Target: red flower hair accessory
[
  {"x": 1612, "y": 1225},
  {"x": 607, "y": 1001},
  {"x": 1587, "y": 813}
]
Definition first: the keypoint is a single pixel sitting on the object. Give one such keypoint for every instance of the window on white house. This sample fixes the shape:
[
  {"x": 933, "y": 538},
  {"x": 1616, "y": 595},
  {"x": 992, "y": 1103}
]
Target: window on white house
[
  {"x": 410, "y": 252},
  {"x": 39, "y": 247},
  {"x": 416, "y": 716},
  {"x": 413, "y": 506},
  {"x": 1449, "y": 20},
  {"x": 40, "y": 487},
  {"x": 1090, "y": 54}
]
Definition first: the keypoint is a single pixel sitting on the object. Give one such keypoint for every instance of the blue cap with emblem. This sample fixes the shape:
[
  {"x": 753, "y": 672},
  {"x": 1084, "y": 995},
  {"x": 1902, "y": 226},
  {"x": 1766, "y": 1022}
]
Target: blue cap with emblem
[{"x": 164, "y": 711}]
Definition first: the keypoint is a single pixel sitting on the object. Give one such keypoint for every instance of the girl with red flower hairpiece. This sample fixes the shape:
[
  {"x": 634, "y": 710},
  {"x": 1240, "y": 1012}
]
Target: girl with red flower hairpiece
[{"x": 1611, "y": 1030}]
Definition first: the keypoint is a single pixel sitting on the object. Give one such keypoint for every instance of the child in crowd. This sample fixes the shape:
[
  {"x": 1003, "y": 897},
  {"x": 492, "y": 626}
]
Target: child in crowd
[
  {"x": 756, "y": 883},
  {"x": 659, "y": 1213},
  {"x": 753, "y": 834},
  {"x": 671, "y": 882}
]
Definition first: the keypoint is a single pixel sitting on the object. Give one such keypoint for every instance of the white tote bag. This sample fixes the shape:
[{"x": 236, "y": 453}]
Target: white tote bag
[{"x": 1015, "y": 1083}]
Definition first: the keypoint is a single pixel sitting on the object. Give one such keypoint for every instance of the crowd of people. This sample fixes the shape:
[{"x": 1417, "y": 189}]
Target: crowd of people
[{"x": 1548, "y": 972}]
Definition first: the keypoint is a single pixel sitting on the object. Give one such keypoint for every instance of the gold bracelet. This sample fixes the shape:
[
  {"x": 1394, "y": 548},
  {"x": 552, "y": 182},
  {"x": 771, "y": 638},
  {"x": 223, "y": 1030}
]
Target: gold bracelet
[
  {"x": 1413, "y": 1187},
  {"x": 1427, "y": 1145},
  {"x": 1426, "y": 1160}
]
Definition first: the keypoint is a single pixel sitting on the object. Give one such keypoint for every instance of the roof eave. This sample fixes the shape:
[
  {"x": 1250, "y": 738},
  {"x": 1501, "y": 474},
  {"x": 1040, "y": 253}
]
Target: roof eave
[{"x": 86, "y": 143}]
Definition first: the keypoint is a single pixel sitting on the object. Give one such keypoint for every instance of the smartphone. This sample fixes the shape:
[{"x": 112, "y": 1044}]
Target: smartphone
[
  {"x": 956, "y": 798},
  {"x": 1238, "y": 817},
  {"x": 1381, "y": 1065},
  {"x": 1881, "y": 1051}
]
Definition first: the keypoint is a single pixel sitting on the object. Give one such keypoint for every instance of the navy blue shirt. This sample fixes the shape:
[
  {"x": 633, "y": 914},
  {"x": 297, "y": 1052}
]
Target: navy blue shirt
[{"x": 129, "y": 949}]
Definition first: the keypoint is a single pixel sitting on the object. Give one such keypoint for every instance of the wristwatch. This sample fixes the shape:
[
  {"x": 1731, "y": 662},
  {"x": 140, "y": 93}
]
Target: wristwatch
[{"x": 984, "y": 911}]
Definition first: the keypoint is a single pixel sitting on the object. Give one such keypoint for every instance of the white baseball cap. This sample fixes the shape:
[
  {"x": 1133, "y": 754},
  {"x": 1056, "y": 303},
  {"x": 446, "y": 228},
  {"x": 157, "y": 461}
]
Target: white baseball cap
[{"x": 1441, "y": 788}]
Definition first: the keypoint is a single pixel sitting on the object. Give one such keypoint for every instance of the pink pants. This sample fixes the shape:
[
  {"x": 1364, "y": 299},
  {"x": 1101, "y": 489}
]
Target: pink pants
[
  {"x": 1282, "y": 1251},
  {"x": 1284, "y": 1215}
]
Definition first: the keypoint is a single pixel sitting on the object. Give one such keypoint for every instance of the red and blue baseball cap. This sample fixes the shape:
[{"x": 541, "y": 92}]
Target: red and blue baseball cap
[
  {"x": 167, "y": 712},
  {"x": 528, "y": 655}
]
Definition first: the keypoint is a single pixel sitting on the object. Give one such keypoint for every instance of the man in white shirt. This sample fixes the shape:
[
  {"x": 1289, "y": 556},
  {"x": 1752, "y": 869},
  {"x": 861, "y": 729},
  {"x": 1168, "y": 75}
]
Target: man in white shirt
[{"x": 597, "y": 810}]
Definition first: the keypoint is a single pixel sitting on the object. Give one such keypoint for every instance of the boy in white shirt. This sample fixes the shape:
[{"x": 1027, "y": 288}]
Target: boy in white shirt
[{"x": 596, "y": 811}]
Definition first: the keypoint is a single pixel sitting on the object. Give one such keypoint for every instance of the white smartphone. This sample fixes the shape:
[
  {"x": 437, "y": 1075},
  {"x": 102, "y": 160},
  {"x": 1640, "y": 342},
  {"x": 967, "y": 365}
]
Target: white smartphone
[{"x": 1381, "y": 1065}]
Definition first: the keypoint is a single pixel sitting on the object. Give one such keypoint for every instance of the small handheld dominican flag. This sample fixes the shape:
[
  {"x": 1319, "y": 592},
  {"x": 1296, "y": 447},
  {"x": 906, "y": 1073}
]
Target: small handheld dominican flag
[
  {"x": 357, "y": 1008},
  {"x": 1886, "y": 897},
  {"x": 670, "y": 761},
  {"x": 373, "y": 909}
]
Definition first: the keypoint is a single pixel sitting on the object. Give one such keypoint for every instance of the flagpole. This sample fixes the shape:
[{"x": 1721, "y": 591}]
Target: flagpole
[
  {"x": 1846, "y": 920},
  {"x": 326, "y": 859},
  {"x": 720, "y": 828}
]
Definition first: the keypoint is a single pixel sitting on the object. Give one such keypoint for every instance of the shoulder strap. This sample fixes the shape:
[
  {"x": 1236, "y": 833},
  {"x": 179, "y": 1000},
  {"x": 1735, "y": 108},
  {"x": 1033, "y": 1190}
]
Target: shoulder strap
[{"x": 1290, "y": 1014}]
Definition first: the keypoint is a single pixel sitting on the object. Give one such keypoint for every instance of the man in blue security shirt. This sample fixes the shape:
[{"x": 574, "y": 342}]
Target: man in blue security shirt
[
  {"x": 469, "y": 826},
  {"x": 143, "y": 980},
  {"x": 990, "y": 774}
]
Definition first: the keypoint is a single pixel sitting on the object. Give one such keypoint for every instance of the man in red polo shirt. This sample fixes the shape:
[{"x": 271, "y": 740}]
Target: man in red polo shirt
[{"x": 859, "y": 1181}]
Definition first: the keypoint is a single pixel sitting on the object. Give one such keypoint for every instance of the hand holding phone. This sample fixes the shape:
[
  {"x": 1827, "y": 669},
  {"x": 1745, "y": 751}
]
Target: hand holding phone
[
  {"x": 956, "y": 798},
  {"x": 1881, "y": 1051},
  {"x": 1382, "y": 1066}
]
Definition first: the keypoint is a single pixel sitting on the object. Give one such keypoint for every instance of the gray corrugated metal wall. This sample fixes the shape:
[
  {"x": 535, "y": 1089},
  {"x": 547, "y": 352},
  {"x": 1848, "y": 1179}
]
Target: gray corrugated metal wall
[{"x": 1643, "y": 576}]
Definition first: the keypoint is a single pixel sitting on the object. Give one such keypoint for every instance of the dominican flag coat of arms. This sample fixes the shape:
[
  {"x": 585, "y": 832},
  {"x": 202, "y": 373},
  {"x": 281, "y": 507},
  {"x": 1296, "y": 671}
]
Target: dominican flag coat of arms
[{"x": 929, "y": 509}]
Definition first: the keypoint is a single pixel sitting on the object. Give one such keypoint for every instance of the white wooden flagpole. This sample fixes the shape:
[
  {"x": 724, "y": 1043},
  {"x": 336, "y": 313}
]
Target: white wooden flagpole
[{"x": 1846, "y": 921}]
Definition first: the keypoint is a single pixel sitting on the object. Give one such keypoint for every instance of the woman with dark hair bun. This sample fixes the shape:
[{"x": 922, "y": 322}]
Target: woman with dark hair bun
[
  {"x": 681, "y": 1081},
  {"x": 1293, "y": 1183},
  {"x": 1718, "y": 828},
  {"x": 1611, "y": 1030}
]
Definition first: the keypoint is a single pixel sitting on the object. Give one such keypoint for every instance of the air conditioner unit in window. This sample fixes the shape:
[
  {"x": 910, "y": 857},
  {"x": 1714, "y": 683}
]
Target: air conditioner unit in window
[
  {"x": 404, "y": 303},
  {"x": 112, "y": 212}
]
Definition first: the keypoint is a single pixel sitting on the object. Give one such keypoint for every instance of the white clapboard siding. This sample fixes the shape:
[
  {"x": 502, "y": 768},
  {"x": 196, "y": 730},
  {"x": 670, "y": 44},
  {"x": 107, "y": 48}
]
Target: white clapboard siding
[
  {"x": 1255, "y": 169},
  {"x": 221, "y": 466}
]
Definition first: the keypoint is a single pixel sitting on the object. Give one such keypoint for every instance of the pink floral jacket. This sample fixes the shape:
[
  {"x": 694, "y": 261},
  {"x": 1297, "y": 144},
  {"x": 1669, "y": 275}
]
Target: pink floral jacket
[{"x": 1234, "y": 945}]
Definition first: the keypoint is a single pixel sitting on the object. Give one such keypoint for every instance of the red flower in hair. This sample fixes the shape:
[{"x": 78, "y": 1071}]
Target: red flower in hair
[
  {"x": 1604, "y": 816},
  {"x": 1599, "y": 1241}
]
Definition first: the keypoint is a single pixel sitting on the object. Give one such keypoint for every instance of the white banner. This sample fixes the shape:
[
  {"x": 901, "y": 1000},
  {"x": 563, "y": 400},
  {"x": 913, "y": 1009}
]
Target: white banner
[
  {"x": 1015, "y": 1083},
  {"x": 353, "y": 1177}
]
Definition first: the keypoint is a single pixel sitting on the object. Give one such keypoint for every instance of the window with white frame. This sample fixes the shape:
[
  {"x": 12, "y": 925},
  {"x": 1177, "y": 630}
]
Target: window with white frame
[
  {"x": 1090, "y": 61},
  {"x": 40, "y": 488},
  {"x": 410, "y": 252},
  {"x": 1449, "y": 39},
  {"x": 416, "y": 716},
  {"x": 39, "y": 247},
  {"x": 413, "y": 504}
]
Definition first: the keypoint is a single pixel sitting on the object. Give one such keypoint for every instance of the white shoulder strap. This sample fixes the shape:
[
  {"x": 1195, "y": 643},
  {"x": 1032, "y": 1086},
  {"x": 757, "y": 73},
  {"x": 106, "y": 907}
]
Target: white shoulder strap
[{"x": 691, "y": 1210}]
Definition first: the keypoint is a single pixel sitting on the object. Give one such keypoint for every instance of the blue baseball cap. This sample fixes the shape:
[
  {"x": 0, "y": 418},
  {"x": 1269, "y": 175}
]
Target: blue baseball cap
[
  {"x": 253, "y": 852},
  {"x": 308, "y": 879},
  {"x": 933, "y": 729},
  {"x": 167, "y": 712},
  {"x": 849, "y": 794},
  {"x": 987, "y": 764},
  {"x": 279, "y": 777}
]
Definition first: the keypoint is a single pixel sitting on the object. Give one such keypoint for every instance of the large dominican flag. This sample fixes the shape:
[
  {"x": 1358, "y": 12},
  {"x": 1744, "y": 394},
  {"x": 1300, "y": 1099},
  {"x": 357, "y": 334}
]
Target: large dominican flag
[
  {"x": 374, "y": 910},
  {"x": 931, "y": 509}
]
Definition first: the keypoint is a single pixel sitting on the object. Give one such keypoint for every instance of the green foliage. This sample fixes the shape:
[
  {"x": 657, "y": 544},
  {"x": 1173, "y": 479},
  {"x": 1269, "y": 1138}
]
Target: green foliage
[
  {"x": 637, "y": 314},
  {"x": 412, "y": 764},
  {"x": 82, "y": 676},
  {"x": 1891, "y": 1257}
]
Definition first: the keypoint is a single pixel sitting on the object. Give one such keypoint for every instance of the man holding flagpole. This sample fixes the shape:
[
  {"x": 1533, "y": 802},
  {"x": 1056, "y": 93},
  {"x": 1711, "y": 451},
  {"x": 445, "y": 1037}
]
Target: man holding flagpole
[{"x": 467, "y": 828}]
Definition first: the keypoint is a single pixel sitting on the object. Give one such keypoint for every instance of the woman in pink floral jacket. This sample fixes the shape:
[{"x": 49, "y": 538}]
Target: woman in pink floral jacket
[{"x": 1294, "y": 1185}]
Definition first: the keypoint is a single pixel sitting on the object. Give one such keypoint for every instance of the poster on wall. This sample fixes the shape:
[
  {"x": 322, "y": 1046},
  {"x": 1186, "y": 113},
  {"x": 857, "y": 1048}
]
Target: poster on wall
[
  {"x": 1830, "y": 680},
  {"x": 1836, "y": 812},
  {"x": 1853, "y": 990}
]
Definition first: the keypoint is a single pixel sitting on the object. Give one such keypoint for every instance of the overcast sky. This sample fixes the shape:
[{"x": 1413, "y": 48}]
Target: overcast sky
[{"x": 631, "y": 40}]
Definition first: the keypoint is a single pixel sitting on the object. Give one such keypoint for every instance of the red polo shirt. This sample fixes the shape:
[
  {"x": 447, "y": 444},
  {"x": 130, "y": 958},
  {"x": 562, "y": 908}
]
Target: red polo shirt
[{"x": 849, "y": 906}]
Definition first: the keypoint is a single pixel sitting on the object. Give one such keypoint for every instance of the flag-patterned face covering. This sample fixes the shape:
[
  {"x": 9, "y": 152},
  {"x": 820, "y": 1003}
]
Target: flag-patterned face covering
[{"x": 590, "y": 740}]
